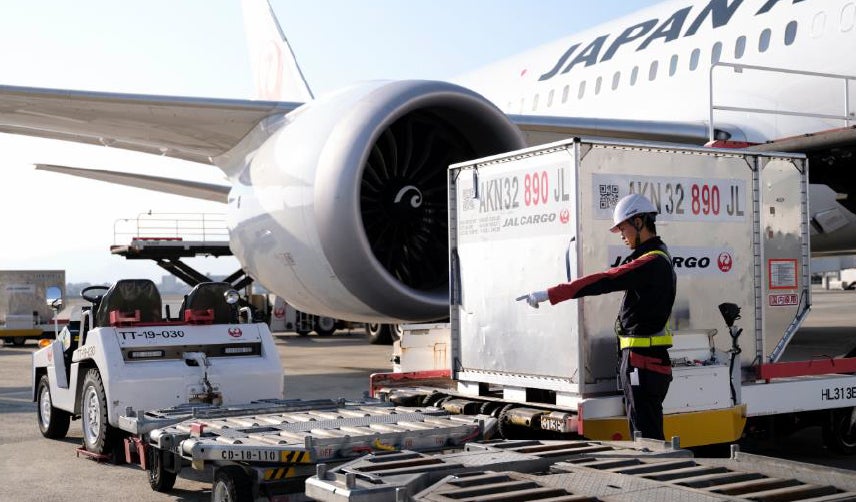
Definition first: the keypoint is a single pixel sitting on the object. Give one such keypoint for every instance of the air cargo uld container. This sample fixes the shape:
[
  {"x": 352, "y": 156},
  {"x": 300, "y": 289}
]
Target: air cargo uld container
[
  {"x": 736, "y": 227},
  {"x": 25, "y": 311}
]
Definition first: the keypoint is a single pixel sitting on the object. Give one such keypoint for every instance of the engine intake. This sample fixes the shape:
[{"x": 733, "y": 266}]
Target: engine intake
[{"x": 379, "y": 153}]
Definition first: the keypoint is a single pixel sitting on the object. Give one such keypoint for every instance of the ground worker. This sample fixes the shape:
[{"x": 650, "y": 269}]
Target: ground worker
[{"x": 648, "y": 280}]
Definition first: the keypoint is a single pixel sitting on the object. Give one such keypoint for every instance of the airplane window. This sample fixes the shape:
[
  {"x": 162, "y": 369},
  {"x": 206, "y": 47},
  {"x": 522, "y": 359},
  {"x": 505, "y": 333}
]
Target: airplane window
[
  {"x": 818, "y": 24},
  {"x": 739, "y": 47},
  {"x": 565, "y": 93},
  {"x": 673, "y": 65},
  {"x": 597, "y": 85},
  {"x": 633, "y": 75},
  {"x": 848, "y": 17},
  {"x": 535, "y": 103},
  {"x": 652, "y": 71},
  {"x": 790, "y": 32},
  {"x": 550, "y": 98},
  {"x": 694, "y": 56},
  {"x": 716, "y": 53},
  {"x": 582, "y": 90},
  {"x": 615, "y": 80},
  {"x": 764, "y": 41}
]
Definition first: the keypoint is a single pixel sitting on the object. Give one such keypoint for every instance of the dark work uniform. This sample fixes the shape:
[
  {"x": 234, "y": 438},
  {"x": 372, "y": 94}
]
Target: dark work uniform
[{"x": 648, "y": 281}]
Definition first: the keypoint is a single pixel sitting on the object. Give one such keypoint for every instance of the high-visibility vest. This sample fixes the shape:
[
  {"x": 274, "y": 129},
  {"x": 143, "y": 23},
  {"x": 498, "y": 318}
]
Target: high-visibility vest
[
  {"x": 655, "y": 340},
  {"x": 663, "y": 337}
]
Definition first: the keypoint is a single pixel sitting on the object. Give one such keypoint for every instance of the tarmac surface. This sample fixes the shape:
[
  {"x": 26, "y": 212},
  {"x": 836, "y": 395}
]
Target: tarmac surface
[{"x": 33, "y": 468}]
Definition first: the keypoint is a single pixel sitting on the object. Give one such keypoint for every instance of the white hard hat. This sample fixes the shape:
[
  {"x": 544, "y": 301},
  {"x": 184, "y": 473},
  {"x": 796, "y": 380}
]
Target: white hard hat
[{"x": 630, "y": 206}]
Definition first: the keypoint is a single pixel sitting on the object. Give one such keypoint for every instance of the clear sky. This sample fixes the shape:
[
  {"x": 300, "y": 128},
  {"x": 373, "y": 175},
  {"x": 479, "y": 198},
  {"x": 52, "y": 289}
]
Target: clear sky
[{"x": 197, "y": 48}]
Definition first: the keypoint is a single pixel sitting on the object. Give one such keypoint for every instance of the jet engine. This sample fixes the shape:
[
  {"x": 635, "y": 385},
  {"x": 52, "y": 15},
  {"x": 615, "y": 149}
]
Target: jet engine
[{"x": 342, "y": 210}]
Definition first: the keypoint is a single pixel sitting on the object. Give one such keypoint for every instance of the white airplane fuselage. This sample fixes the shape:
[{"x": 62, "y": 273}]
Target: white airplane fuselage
[{"x": 656, "y": 65}]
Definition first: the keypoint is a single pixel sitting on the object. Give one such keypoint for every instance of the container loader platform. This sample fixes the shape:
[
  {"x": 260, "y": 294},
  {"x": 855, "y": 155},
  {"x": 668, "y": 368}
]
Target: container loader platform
[
  {"x": 170, "y": 238},
  {"x": 167, "y": 238}
]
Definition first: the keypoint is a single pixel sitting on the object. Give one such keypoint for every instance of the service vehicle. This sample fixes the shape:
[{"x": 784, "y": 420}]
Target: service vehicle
[
  {"x": 282, "y": 316},
  {"x": 168, "y": 238},
  {"x": 29, "y": 301},
  {"x": 129, "y": 356},
  {"x": 846, "y": 279},
  {"x": 737, "y": 228}
]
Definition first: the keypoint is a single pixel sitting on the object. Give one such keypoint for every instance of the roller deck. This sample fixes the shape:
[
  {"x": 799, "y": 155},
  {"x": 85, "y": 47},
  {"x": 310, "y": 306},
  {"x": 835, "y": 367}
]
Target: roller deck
[
  {"x": 577, "y": 471},
  {"x": 278, "y": 443}
]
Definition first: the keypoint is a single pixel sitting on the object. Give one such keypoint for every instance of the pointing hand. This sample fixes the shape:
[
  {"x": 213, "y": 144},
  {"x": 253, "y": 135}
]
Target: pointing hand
[{"x": 534, "y": 298}]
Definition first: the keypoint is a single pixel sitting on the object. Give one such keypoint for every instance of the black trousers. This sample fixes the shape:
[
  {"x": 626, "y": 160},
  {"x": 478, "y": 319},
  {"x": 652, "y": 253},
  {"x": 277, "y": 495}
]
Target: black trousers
[{"x": 644, "y": 402}]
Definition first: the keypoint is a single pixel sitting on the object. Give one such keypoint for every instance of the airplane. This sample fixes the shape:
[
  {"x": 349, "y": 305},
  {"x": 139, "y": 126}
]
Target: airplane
[{"x": 338, "y": 202}]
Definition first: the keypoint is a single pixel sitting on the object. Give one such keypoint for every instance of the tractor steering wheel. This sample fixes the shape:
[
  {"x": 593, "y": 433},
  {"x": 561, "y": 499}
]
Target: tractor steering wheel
[{"x": 96, "y": 298}]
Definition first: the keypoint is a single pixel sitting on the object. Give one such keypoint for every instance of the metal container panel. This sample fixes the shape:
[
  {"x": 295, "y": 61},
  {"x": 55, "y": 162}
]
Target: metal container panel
[
  {"x": 706, "y": 202},
  {"x": 512, "y": 237},
  {"x": 785, "y": 244}
]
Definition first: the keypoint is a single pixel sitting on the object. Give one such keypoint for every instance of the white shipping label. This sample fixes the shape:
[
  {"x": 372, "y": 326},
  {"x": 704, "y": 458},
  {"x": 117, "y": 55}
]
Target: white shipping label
[
  {"x": 20, "y": 289},
  {"x": 524, "y": 200},
  {"x": 677, "y": 199}
]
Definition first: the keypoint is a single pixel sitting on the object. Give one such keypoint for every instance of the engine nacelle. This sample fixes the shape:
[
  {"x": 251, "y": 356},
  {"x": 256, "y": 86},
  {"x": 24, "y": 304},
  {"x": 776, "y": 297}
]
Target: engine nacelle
[{"x": 343, "y": 210}]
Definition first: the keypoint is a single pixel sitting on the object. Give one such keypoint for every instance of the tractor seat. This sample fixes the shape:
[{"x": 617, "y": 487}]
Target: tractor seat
[
  {"x": 128, "y": 302},
  {"x": 206, "y": 304}
]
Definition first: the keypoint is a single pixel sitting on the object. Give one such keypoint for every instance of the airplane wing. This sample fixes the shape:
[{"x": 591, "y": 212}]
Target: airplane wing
[
  {"x": 543, "y": 129},
  {"x": 186, "y": 188},
  {"x": 199, "y": 129},
  {"x": 195, "y": 129}
]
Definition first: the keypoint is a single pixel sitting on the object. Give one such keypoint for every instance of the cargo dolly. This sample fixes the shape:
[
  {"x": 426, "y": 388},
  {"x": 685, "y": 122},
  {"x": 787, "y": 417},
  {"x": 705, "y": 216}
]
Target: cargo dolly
[{"x": 270, "y": 447}]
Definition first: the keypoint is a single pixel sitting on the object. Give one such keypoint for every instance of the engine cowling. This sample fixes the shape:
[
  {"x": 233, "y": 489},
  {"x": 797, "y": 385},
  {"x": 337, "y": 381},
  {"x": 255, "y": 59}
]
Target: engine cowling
[{"x": 343, "y": 210}]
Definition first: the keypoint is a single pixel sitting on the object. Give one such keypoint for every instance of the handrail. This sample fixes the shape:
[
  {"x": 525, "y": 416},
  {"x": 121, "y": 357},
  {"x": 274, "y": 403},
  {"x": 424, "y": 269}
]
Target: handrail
[
  {"x": 847, "y": 117},
  {"x": 197, "y": 227}
]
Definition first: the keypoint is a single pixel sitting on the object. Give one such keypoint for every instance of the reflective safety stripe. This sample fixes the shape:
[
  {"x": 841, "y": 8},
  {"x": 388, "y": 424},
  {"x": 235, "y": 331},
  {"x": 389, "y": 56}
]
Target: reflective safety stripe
[
  {"x": 643, "y": 341},
  {"x": 661, "y": 253}
]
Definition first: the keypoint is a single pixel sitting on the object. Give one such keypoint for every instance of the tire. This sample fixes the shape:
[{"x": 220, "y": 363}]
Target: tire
[
  {"x": 838, "y": 433},
  {"x": 160, "y": 479},
  {"x": 98, "y": 436},
  {"x": 302, "y": 332},
  {"x": 491, "y": 408},
  {"x": 379, "y": 334},
  {"x": 395, "y": 331},
  {"x": 325, "y": 326},
  {"x": 231, "y": 484},
  {"x": 433, "y": 399},
  {"x": 53, "y": 422},
  {"x": 19, "y": 341},
  {"x": 502, "y": 426}
]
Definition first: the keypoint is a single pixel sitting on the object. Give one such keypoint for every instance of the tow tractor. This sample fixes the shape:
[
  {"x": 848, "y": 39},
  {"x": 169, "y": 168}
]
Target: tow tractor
[{"x": 128, "y": 357}]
